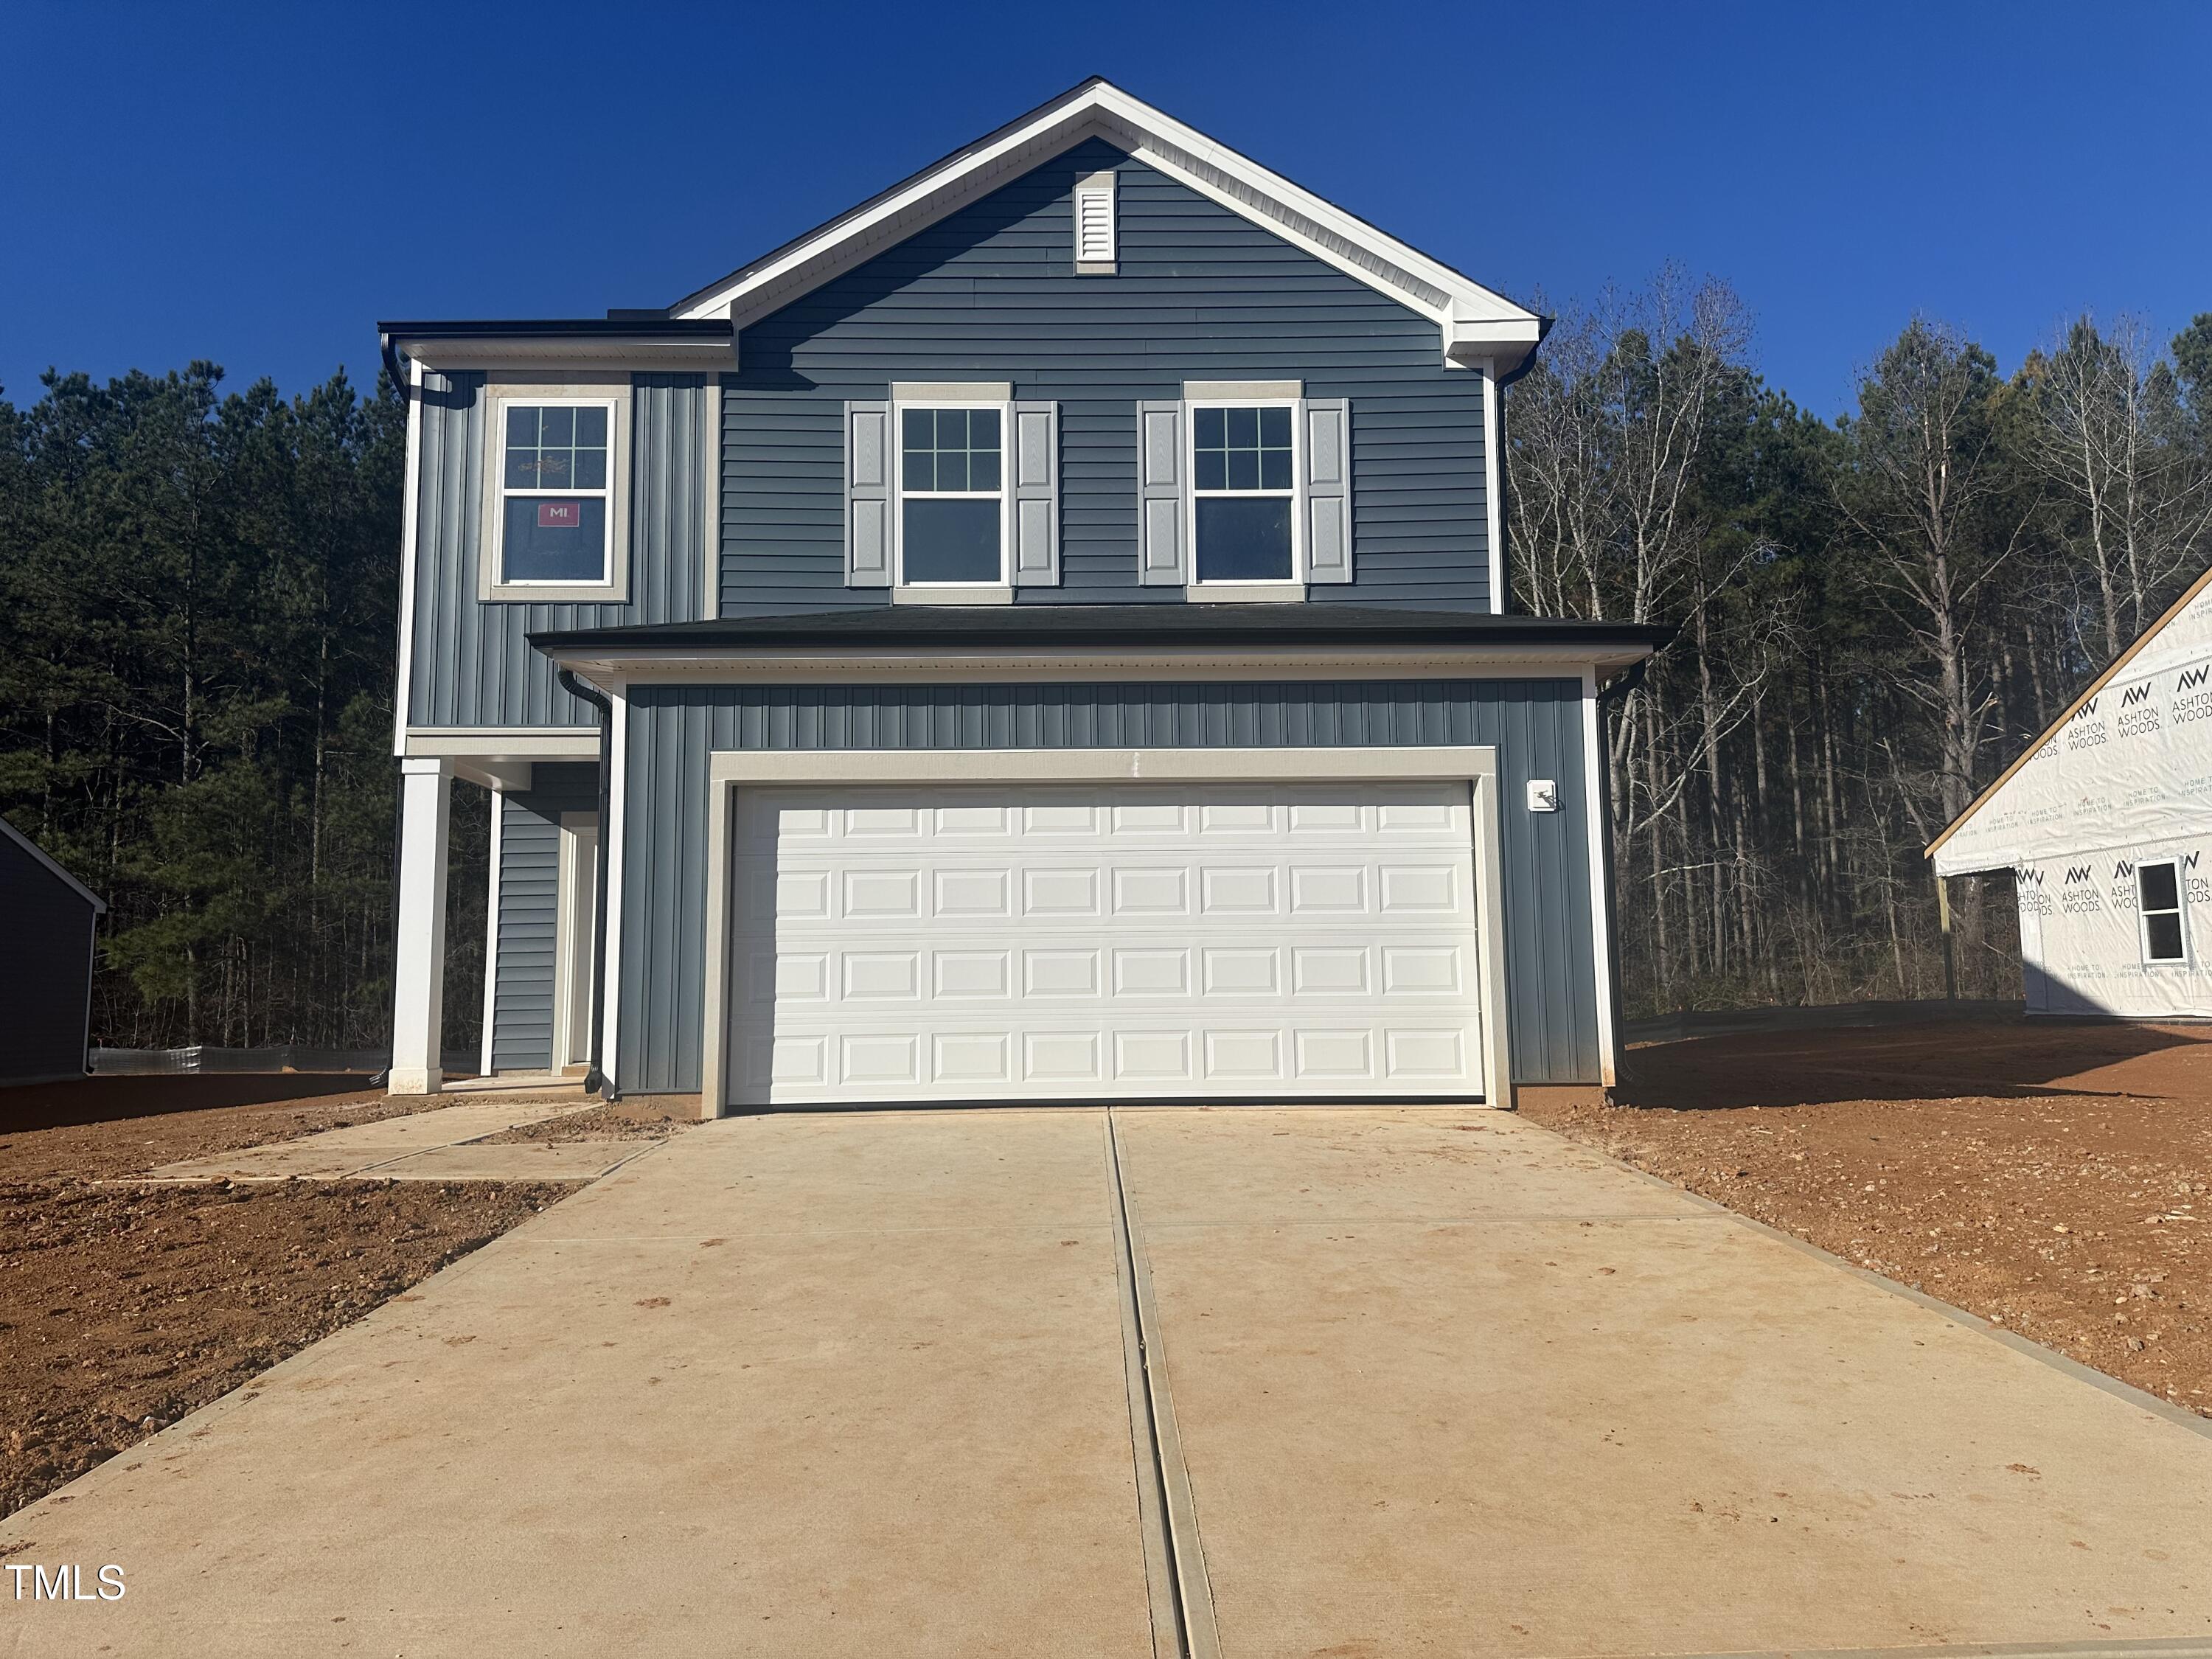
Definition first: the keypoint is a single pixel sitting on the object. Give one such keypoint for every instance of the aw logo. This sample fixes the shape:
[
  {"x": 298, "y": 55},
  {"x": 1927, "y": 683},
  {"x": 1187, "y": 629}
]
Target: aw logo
[
  {"x": 2139, "y": 716},
  {"x": 2034, "y": 901},
  {"x": 2077, "y": 893},
  {"x": 2123, "y": 869},
  {"x": 2085, "y": 730},
  {"x": 2198, "y": 888},
  {"x": 2192, "y": 696},
  {"x": 2029, "y": 874}
]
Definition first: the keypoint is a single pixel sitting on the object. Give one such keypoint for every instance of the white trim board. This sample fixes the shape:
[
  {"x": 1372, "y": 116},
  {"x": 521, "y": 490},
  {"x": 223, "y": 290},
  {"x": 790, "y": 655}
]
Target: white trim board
[
  {"x": 1493, "y": 497},
  {"x": 729, "y": 770},
  {"x": 1596, "y": 775},
  {"x": 491, "y": 928},
  {"x": 617, "y": 839},
  {"x": 519, "y": 743},
  {"x": 409, "y": 511},
  {"x": 1474, "y": 321}
]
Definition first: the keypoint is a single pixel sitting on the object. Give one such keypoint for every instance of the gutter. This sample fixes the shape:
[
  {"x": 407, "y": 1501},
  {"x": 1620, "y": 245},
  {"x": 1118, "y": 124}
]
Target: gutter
[
  {"x": 596, "y": 1081},
  {"x": 388, "y": 347}
]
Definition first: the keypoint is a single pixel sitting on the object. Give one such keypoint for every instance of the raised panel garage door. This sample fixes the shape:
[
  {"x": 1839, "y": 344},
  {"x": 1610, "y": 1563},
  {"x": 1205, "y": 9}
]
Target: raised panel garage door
[{"x": 1059, "y": 942}]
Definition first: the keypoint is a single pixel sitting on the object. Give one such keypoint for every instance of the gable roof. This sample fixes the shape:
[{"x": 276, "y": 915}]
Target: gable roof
[
  {"x": 2112, "y": 672},
  {"x": 39, "y": 855},
  {"x": 1476, "y": 323}
]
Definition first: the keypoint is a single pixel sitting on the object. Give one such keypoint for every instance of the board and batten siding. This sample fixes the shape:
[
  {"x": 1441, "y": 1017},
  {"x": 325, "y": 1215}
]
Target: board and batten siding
[
  {"x": 1536, "y": 726},
  {"x": 529, "y": 891},
  {"x": 472, "y": 664},
  {"x": 1200, "y": 293}
]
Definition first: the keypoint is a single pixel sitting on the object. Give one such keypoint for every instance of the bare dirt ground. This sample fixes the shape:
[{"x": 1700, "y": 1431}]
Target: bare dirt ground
[
  {"x": 124, "y": 1306},
  {"x": 2054, "y": 1179},
  {"x": 625, "y": 1120}
]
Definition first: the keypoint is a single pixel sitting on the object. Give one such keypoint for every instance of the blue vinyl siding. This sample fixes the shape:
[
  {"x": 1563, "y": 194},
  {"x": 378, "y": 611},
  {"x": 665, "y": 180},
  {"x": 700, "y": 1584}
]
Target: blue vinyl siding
[
  {"x": 1536, "y": 726},
  {"x": 1201, "y": 293},
  {"x": 473, "y": 661},
  {"x": 529, "y": 882}
]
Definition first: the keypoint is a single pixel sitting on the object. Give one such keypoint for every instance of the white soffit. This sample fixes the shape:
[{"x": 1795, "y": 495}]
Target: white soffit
[{"x": 1476, "y": 323}]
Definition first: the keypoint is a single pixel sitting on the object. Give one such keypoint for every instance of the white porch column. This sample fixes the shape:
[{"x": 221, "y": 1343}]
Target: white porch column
[{"x": 419, "y": 956}]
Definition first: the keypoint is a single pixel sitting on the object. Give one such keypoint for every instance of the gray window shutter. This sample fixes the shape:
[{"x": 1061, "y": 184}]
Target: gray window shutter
[
  {"x": 867, "y": 495},
  {"x": 1328, "y": 489},
  {"x": 1163, "y": 559},
  {"x": 1037, "y": 495}
]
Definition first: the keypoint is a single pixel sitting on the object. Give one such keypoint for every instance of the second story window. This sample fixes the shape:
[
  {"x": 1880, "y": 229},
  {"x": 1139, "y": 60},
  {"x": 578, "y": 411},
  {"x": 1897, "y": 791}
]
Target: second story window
[
  {"x": 555, "y": 485},
  {"x": 554, "y": 496},
  {"x": 1243, "y": 489},
  {"x": 952, "y": 496}
]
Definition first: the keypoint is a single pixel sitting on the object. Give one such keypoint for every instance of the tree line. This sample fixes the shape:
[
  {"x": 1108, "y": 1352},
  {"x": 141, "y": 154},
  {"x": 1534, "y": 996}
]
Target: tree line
[
  {"x": 200, "y": 593},
  {"x": 1873, "y": 615}
]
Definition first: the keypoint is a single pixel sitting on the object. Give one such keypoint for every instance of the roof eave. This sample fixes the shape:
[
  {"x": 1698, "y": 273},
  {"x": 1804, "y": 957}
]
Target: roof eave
[{"x": 704, "y": 345}]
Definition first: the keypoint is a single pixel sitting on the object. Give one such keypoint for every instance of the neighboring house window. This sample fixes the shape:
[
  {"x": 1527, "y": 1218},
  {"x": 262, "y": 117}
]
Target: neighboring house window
[
  {"x": 953, "y": 500},
  {"x": 1244, "y": 492},
  {"x": 553, "y": 529},
  {"x": 2158, "y": 894}
]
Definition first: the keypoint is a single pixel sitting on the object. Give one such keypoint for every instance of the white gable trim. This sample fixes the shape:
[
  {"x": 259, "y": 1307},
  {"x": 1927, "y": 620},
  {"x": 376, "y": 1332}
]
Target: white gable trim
[{"x": 1476, "y": 323}]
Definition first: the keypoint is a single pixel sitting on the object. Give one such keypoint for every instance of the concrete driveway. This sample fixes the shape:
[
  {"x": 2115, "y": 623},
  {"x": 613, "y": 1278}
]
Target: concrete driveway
[{"x": 1296, "y": 1382}]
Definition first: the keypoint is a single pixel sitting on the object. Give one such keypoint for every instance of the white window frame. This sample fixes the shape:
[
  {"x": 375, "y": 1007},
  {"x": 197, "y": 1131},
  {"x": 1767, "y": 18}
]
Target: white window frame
[
  {"x": 1286, "y": 587},
  {"x": 493, "y": 584},
  {"x": 2179, "y": 913},
  {"x": 999, "y": 591}
]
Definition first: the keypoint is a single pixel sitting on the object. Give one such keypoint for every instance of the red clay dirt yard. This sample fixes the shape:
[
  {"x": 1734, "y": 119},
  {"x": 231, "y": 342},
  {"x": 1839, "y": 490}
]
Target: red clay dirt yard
[
  {"x": 2056, "y": 1179},
  {"x": 124, "y": 1304}
]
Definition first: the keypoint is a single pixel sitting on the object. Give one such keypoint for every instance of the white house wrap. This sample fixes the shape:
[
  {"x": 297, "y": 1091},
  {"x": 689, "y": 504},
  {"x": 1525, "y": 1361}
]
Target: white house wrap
[{"x": 2104, "y": 825}]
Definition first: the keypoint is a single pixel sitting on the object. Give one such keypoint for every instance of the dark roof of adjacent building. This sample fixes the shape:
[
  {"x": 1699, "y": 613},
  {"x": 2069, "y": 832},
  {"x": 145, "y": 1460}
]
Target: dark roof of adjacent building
[
  {"x": 40, "y": 856},
  {"x": 1200, "y": 625}
]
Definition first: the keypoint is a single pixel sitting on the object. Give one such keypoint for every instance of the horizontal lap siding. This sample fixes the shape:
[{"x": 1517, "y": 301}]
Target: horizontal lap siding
[
  {"x": 529, "y": 881},
  {"x": 473, "y": 664},
  {"x": 1200, "y": 293},
  {"x": 1536, "y": 726}
]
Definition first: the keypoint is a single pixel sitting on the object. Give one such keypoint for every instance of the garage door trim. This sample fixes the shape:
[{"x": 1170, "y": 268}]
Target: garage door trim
[{"x": 1476, "y": 765}]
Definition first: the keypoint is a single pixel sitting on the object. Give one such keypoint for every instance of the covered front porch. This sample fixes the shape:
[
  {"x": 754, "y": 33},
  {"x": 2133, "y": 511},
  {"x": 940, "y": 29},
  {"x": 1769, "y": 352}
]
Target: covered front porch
[{"x": 536, "y": 906}]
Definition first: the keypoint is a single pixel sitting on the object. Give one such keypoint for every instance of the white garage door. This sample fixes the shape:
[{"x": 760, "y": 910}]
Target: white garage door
[{"x": 1103, "y": 941}]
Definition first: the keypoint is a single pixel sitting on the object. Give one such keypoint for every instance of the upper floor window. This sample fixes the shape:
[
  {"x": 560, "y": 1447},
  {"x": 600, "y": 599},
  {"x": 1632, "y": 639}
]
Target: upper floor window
[
  {"x": 1244, "y": 492},
  {"x": 553, "y": 528},
  {"x": 952, "y": 525}
]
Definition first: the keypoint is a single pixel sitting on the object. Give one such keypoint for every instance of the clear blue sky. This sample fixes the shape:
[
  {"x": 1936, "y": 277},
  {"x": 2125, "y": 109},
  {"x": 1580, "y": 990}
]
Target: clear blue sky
[{"x": 258, "y": 184}]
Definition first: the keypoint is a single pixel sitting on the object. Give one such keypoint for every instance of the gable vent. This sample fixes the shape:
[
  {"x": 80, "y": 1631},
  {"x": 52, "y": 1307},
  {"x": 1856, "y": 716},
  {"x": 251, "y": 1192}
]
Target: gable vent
[{"x": 1094, "y": 225}]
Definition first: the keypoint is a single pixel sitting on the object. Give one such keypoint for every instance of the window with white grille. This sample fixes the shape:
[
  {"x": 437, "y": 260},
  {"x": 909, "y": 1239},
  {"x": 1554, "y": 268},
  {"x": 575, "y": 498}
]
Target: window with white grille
[{"x": 1094, "y": 225}]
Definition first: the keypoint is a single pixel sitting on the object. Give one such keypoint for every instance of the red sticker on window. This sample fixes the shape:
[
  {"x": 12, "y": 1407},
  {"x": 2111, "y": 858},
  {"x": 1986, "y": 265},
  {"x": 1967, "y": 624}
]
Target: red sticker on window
[{"x": 559, "y": 515}]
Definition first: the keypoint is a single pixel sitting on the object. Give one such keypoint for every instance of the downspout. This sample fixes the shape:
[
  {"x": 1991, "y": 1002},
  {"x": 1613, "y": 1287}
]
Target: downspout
[{"x": 595, "y": 1080}]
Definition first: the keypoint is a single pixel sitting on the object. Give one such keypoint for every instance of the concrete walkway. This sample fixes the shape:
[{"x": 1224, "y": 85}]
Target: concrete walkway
[
  {"x": 432, "y": 1146},
  {"x": 859, "y": 1384}
]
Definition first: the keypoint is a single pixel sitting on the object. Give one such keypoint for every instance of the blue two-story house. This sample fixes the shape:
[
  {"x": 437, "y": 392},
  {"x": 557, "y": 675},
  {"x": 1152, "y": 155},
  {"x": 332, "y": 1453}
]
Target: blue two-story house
[{"x": 1042, "y": 635}]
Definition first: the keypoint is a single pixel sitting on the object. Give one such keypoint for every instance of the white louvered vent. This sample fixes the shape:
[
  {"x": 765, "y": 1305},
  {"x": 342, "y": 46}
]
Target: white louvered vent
[{"x": 1094, "y": 225}]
